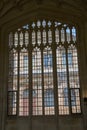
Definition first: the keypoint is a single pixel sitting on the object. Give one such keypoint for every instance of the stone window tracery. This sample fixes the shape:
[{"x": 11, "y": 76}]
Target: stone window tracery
[{"x": 43, "y": 61}]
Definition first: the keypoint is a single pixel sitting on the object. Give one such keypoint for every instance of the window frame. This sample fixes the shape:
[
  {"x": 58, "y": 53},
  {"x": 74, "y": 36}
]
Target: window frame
[{"x": 29, "y": 47}]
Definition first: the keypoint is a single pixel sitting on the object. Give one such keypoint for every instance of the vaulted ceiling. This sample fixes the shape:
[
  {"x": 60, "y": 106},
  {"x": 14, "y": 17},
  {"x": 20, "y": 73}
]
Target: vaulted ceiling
[{"x": 8, "y": 6}]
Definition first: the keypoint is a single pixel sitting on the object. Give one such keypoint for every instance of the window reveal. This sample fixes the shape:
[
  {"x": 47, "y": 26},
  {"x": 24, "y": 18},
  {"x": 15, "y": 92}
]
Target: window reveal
[{"x": 31, "y": 79}]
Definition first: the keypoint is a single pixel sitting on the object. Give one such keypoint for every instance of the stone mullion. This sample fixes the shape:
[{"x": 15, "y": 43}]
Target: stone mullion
[
  {"x": 71, "y": 35},
  {"x": 67, "y": 71},
  {"x": 30, "y": 70},
  {"x": 59, "y": 28},
  {"x": 55, "y": 75},
  {"x": 46, "y": 28},
  {"x": 43, "y": 111},
  {"x": 18, "y": 75},
  {"x": 54, "y": 69},
  {"x": 65, "y": 35},
  {"x": 30, "y": 74},
  {"x": 13, "y": 46}
]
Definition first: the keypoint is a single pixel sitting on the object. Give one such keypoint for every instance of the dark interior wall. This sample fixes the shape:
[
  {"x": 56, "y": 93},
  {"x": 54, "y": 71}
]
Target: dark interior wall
[{"x": 20, "y": 15}]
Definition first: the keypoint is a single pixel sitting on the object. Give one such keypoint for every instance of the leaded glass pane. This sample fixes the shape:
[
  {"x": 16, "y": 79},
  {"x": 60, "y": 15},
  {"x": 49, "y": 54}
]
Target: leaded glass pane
[
  {"x": 36, "y": 82},
  {"x": 63, "y": 98},
  {"x": 48, "y": 81}
]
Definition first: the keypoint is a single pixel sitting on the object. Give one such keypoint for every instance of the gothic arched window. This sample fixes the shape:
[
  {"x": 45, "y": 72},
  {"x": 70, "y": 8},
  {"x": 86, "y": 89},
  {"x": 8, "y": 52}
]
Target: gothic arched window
[{"x": 43, "y": 70}]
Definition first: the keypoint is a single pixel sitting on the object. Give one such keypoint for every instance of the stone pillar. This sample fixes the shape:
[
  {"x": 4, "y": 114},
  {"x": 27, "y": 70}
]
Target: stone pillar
[
  {"x": 1, "y": 81},
  {"x": 85, "y": 113},
  {"x": 3, "y": 77}
]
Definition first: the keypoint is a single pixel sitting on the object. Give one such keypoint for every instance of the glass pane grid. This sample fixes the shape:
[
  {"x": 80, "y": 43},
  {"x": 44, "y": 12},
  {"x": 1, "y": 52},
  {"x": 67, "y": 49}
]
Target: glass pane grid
[
  {"x": 12, "y": 103},
  {"x": 23, "y": 84},
  {"x": 63, "y": 98},
  {"x": 48, "y": 82},
  {"x": 75, "y": 101},
  {"x": 37, "y": 80}
]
